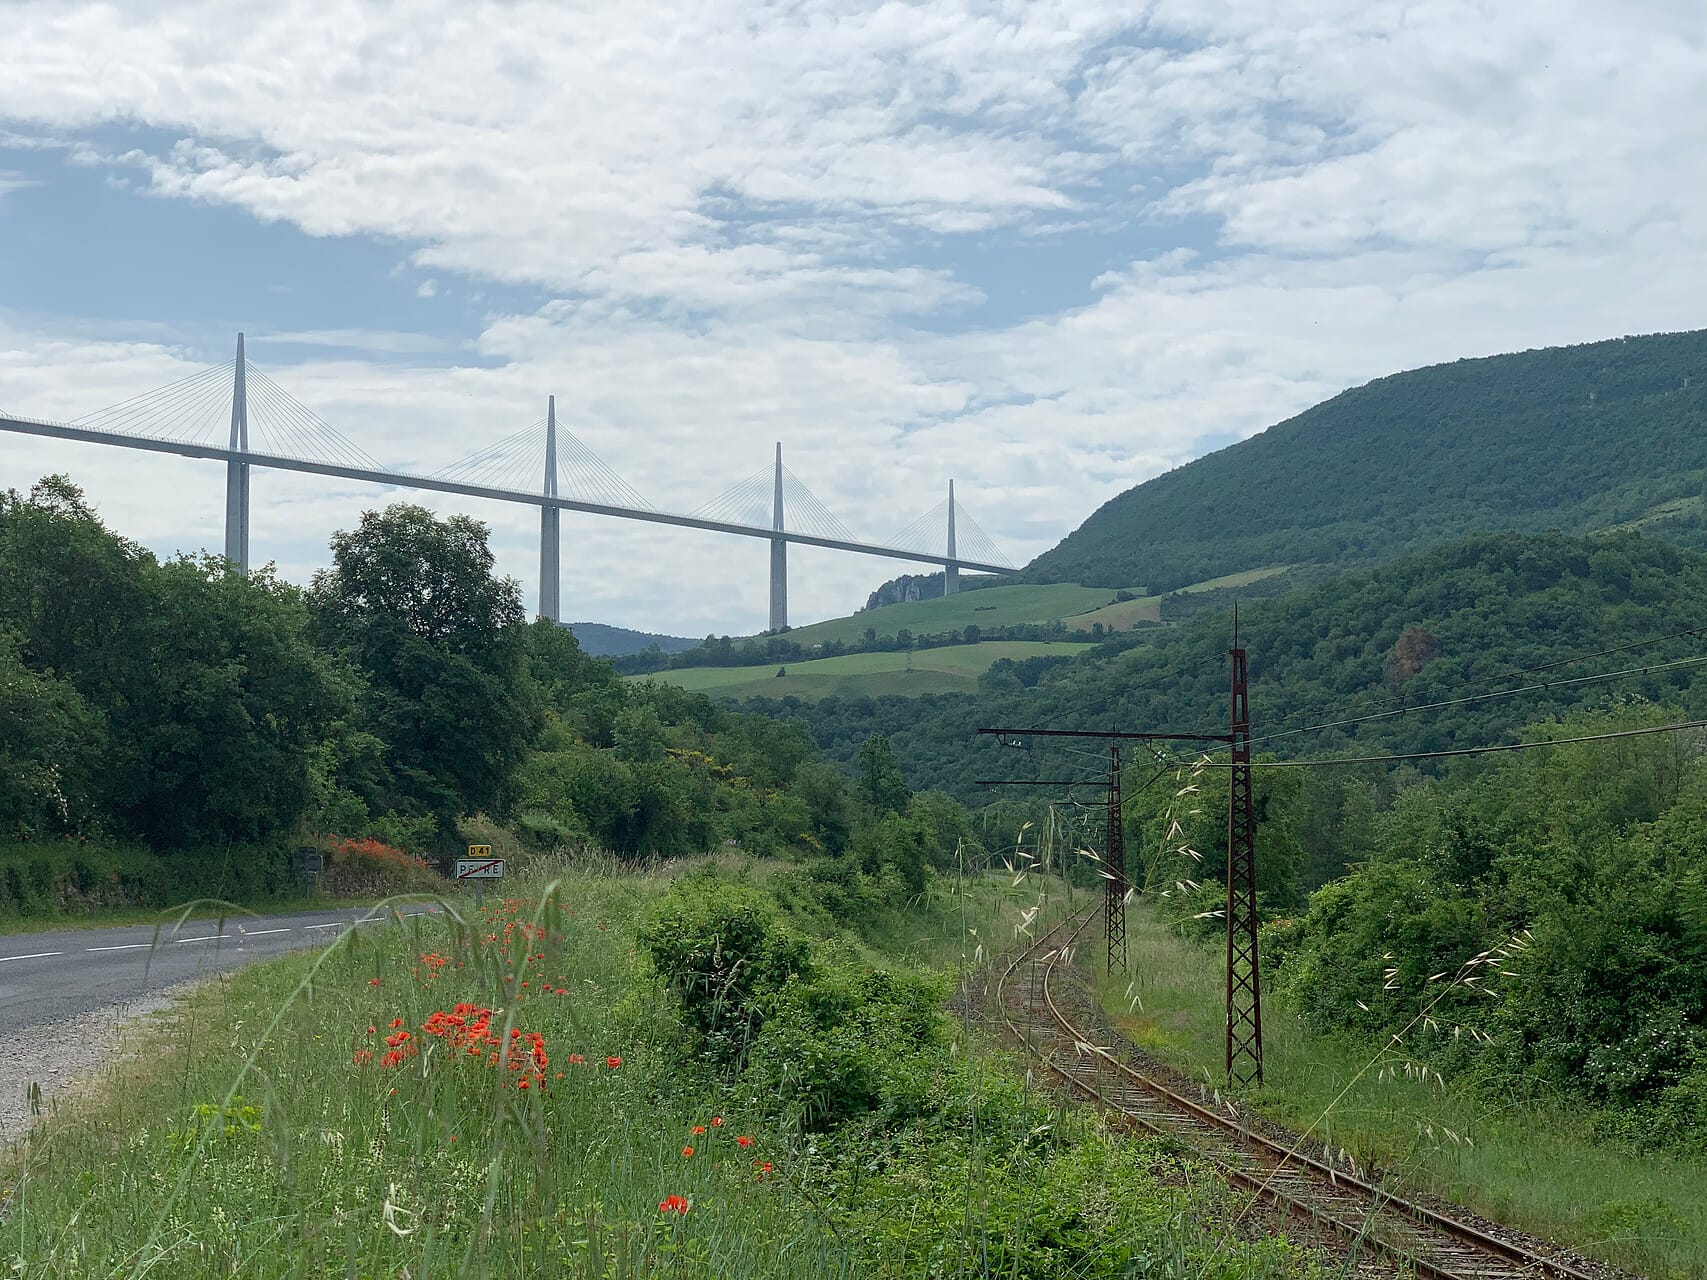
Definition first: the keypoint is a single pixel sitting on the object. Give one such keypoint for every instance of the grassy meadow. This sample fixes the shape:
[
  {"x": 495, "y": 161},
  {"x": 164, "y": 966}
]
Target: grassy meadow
[
  {"x": 949, "y": 669},
  {"x": 986, "y": 607},
  {"x": 1534, "y": 1165},
  {"x": 516, "y": 1093}
]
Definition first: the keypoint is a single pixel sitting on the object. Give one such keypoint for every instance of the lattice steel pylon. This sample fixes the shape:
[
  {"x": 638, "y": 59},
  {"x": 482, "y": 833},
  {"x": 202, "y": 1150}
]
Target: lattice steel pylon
[
  {"x": 1114, "y": 859},
  {"x": 1244, "y": 985}
]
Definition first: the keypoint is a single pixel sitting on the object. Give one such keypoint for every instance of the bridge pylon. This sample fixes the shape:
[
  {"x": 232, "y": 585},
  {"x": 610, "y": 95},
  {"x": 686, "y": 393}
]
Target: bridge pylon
[
  {"x": 550, "y": 540},
  {"x": 951, "y": 567},
  {"x": 237, "y": 471},
  {"x": 779, "y": 554}
]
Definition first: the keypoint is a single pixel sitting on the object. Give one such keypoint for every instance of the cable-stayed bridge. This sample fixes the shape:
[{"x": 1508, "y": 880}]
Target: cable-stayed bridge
[{"x": 543, "y": 465}]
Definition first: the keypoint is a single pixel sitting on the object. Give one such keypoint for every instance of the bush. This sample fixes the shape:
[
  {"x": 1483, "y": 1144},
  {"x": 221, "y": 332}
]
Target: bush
[
  {"x": 847, "y": 1042},
  {"x": 74, "y": 878},
  {"x": 372, "y": 869},
  {"x": 725, "y": 956}
]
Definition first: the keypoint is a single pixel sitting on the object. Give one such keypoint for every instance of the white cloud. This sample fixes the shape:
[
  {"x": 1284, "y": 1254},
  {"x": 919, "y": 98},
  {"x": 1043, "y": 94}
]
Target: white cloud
[
  {"x": 749, "y": 214},
  {"x": 10, "y": 182}
]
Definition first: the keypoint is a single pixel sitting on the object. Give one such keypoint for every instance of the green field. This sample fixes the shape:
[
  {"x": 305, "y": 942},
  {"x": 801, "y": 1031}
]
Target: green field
[
  {"x": 1119, "y": 615},
  {"x": 1230, "y": 580},
  {"x": 988, "y": 607},
  {"x": 951, "y": 669}
]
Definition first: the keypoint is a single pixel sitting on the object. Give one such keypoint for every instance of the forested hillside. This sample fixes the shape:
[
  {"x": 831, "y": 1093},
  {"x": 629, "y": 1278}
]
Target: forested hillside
[
  {"x": 1571, "y": 438},
  {"x": 1428, "y": 628},
  {"x": 172, "y": 729}
]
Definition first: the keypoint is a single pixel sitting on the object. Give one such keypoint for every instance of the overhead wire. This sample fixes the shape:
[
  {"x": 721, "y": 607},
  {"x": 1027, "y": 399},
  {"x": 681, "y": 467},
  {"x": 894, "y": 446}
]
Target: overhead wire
[
  {"x": 1471, "y": 680},
  {"x": 1475, "y": 751},
  {"x": 1483, "y": 697}
]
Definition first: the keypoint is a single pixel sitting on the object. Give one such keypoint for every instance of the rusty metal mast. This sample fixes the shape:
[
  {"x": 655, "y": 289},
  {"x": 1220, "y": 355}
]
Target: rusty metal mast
[
  {"x": 1114, "y": 855},
  {"x": 1244, "y": 983}
]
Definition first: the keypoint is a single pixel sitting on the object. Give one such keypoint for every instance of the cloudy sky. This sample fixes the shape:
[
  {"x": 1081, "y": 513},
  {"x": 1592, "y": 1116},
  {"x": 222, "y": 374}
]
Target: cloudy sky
[{"x": 1046, "y": 248}]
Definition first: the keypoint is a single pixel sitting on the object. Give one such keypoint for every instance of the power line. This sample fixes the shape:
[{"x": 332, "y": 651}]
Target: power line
[
  {"x": 1475, "y": 751},
  {"x": 1484, "y": 697},
  {"x": 1519, "y": 671}
]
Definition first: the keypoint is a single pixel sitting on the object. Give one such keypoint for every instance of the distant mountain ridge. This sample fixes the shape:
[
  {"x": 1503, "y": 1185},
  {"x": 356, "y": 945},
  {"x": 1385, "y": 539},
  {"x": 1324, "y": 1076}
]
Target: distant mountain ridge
[
  {"x": 1600, "y": 436},
  {"x": 604, "y": 641}
]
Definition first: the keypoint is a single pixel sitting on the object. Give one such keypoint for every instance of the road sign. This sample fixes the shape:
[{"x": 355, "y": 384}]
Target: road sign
[{"x": 479, "y": 867}]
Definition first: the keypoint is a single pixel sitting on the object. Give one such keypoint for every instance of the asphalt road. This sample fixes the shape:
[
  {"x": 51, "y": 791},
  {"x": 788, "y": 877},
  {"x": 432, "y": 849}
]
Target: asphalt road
[{"x": 52, "y": 977}]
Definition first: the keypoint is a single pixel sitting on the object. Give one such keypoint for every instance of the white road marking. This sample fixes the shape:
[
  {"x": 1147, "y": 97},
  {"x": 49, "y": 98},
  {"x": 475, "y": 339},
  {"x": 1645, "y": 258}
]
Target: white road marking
[
  {"x": 123, "y": 946},
  {"x": 212, "y": 937},
  {"x": 336, "y": 924},
  {"x": 260, "y": 933},
  {"x": 34, "y": 955}
]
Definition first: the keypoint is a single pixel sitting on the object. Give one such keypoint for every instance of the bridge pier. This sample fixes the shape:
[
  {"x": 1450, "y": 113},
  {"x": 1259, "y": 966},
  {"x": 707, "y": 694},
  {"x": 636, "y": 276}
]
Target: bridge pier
[
  {"x": 549, "y": 517},
  {"x": 237, "y": 472},
  {"x": 779, "y": 555},
  {"x": 951, "y": 568}
]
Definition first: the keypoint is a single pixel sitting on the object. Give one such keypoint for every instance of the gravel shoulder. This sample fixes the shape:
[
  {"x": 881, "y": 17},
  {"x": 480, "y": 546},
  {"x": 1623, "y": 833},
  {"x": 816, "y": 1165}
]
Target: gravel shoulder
[{"x": 46, "y": 1064}]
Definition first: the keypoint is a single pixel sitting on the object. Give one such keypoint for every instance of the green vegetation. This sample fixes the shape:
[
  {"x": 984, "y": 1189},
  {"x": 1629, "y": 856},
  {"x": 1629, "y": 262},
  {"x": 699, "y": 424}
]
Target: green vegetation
[
  {"x": 1516, "y": 963},
  {"x": 1429, "y": 628},
  {"x": 1533, "y": 1161},
  {"x": 643, "y": 1075},
  {"x": 173, "y": 730},
  {"x": 954, "y": 668},
  {"x": 1118, "y": 616},
  {"x": 987, "y": 609},
  {"x": 1607, "y": 435}
]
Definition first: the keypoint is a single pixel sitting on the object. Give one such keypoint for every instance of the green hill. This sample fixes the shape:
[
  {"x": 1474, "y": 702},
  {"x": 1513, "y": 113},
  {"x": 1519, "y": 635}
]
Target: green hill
[
  {"x": 1492, "y": 605},
  {"x": 1607, "y": 435},
  {"x": 986, "y": 608}
]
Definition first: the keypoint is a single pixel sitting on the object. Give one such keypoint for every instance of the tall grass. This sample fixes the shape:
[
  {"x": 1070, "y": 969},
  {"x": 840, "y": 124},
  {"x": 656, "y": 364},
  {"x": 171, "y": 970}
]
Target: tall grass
[
  {"x": 319, "y": 1116},
  {"x": 1533, "y": 1165}
]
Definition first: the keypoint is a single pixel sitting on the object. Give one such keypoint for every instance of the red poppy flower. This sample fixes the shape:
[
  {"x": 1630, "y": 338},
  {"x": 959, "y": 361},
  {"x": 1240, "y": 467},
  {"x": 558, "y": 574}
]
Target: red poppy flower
[
  {"x": 744, "y": 1140},
  {"x": 687, "y": 1153},
  {"x": 716, "y": 1122},
  {"x": 613, "y": 1062},
  {"x": 373, "y": 982},
  {"x": 672, "y": 1204},
  {"x": 698, "y": 1129},
  {"x": 395, "y": 1023}
]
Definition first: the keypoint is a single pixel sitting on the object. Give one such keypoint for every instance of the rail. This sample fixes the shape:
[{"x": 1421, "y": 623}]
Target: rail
[{"x": 1369, "y": 1218}]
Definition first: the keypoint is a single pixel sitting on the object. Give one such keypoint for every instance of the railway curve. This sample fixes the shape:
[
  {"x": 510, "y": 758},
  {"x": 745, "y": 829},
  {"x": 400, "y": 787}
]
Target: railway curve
[{"x": 1386, "y": 1231}]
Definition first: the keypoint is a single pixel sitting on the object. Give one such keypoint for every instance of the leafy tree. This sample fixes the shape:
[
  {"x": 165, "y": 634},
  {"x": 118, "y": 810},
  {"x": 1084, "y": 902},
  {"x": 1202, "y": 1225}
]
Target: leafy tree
[
  {"x": 880, "y": 782},
  {"x": 218, "y": 737},
  {"x": 51, "y": 745},
  {"x": 411, "y": 602}
]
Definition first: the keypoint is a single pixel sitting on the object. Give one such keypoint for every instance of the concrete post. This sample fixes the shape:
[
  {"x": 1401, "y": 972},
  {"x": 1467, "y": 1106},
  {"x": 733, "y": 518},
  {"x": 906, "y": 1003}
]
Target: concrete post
[
  {"x": 950, "y": 570},
  {"x": 237, "y": 473},
  {"x": 549, "y": 517},
  {"x": 779, "y": 555}
]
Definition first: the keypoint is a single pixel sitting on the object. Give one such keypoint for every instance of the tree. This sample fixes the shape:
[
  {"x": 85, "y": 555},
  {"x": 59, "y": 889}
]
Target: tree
[
  {"x": 880, "y": 782},
  {"x": 219, "y": 736},
  {"x": 50, "y": 749},
  {"x": 411, "y": 602}
]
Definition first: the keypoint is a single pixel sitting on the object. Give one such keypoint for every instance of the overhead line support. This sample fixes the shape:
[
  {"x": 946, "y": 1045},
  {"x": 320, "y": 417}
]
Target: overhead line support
[
  {"x": 1114, "y": 867},
  {"x": 1244, "y": 981}
]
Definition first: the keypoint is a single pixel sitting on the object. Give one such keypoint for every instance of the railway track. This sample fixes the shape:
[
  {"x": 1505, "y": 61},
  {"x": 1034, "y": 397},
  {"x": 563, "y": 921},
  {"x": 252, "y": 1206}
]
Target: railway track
[{"x": 1037, "y": 1001}]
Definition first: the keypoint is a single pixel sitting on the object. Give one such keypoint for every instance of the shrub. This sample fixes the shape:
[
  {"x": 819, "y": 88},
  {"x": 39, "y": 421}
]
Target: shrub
[
  {"x": 847, "y": 1042},
  {"x": 725, "y": 956},
  {"x": 371, "y": 869}
]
